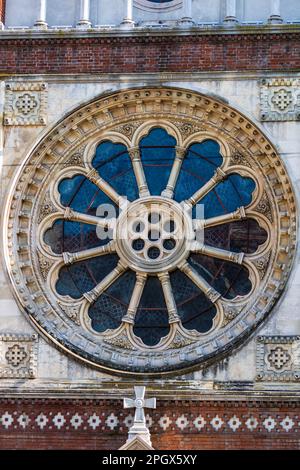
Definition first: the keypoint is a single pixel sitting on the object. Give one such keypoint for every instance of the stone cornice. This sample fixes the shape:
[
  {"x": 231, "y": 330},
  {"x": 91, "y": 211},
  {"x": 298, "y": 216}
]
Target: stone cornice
[
  {"x": 239, "y": 394},
  {"x": 154, "y": 78},
  {"x": 194, "y": 33}
]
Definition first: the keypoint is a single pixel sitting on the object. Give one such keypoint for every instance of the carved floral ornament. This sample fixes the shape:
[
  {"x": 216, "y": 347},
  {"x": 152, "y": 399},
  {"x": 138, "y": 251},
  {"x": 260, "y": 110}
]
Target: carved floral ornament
[{"x": 70, "y": 284}]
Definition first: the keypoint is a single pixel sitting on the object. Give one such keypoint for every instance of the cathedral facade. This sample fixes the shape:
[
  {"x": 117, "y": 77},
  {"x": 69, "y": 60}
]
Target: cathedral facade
[{"x": 149, "y": 219}]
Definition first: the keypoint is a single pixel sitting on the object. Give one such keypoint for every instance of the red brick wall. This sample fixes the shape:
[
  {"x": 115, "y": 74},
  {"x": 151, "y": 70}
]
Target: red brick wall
[
  {"x": 175, "y": 425},
  {"x": 195, "y": 53},
  {"x": 2, "y": 10}
]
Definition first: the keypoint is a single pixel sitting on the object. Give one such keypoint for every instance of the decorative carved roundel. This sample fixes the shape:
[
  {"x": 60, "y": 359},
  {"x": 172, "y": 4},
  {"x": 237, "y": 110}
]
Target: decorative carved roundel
[{"x": 150, "y": 231}]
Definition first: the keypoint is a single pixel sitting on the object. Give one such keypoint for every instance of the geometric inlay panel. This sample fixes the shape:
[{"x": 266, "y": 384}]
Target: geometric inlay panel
[
  {"x": 18, "y": 355},
  {"x": 280, "y": 99},
  {"x": 278, "y": 358},
  {"x": 25, "y": 104}
]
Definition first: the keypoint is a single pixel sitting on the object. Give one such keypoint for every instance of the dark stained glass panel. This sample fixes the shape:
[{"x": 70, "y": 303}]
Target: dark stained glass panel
[
  {"x": 157, "y": 154},
  {"x": 151, "y": 322}
]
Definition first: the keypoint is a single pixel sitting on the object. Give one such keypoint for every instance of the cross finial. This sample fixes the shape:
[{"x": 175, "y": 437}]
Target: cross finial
[{"x": 139, "y": 403}]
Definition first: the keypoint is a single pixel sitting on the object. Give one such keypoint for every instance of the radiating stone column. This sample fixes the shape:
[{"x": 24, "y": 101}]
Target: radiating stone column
[
  {"x": 275, "y": 16},
  {"x": 230, "y": 12},
  {"x": 41, "y": 20},
  {"x": 187, "y": 17},
  {"x": 84, "y": 21},
  {"x": 128, "y": 19}
]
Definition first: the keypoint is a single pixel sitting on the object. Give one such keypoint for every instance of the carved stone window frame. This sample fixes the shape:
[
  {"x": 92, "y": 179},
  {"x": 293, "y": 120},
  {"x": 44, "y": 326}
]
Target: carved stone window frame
[{"x": 126, "y": 116}]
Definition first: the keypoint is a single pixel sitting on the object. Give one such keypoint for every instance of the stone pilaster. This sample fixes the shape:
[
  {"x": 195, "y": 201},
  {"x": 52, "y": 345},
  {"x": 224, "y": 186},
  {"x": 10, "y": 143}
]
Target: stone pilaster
[
  {"x": 275, "y": 16},
  {"x": 187, "y": 19},
  {"x": 230, "y": 18},
  {"x": 41, "y": 22},
  {"x": 128, "y": 21},
  {"x": 84, "y": 21}
]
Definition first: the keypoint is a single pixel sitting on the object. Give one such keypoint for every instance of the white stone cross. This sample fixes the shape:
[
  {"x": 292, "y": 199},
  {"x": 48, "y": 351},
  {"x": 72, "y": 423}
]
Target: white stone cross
[{"x": 139, "y": 403}]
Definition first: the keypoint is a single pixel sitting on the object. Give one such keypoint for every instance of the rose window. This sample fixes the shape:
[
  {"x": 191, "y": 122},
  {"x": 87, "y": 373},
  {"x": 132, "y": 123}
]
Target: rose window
[
  {"x": 153, "y": 240},
  {"x": 169, "y": 243}
]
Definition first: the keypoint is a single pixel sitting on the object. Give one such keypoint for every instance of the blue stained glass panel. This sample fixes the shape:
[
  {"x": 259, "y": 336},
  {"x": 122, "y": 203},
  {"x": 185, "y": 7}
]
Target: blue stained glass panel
[
  {"x": 242, "y": 236},
  {"x": 54, "y": 237},
  {"x": 82, "y": 195},
  {"x": 157, "y": 155},
  {"x": 194, "y": 308},
  {"x": 66, "y": 285},
  {"x": 85, "y": 275},
  {"x": 107, "y": 312},
  {"x": 199, "y": 165},
  {"x": 229, "y": 195},
  {"x": 72, "y": 237},
  {"x": 229, "y": 279},
  {"x": 151, "y": 321},
  {"x": 114, "y": 165}
]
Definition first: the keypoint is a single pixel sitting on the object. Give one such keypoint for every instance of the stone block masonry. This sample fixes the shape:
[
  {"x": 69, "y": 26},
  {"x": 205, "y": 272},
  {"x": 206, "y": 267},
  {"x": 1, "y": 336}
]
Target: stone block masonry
[{"x": 151, "y": 53}]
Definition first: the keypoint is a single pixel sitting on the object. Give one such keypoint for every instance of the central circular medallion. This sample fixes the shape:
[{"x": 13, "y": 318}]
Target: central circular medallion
[
  {"x": 153, "y": 234},
  {"x": 139, "y": 403}
]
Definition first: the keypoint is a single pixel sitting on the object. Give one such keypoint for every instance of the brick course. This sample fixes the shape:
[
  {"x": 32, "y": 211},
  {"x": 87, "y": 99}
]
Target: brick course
[
  {"x": 277, "y": 424},
  {"x": 137, "y": 54}
]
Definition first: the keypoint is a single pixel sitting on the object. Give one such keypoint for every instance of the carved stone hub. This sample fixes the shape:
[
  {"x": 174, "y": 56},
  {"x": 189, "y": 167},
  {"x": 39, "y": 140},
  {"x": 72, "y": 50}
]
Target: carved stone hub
[{"x": 153, "y": 235}]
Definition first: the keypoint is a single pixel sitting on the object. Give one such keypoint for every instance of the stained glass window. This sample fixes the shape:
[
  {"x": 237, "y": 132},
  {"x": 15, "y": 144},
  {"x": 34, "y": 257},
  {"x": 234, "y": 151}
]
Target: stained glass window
[
  {"x": 171, "y": 286},
  {"x": 151, "y": 231}
]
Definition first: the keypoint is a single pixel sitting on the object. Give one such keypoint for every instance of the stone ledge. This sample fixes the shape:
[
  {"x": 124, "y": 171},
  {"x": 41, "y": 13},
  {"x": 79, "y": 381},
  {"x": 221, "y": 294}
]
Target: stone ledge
[
  {"x": 184, "y": 391},
  {"x": 117, "y": 32}
]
